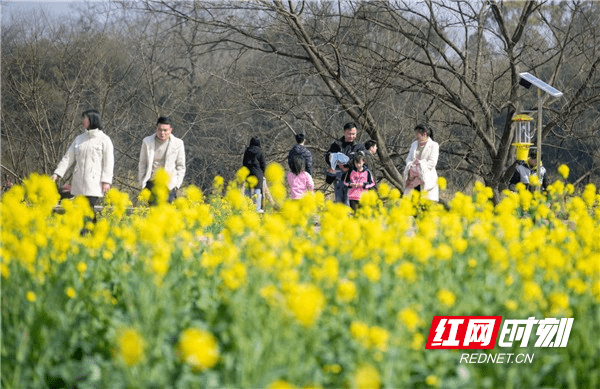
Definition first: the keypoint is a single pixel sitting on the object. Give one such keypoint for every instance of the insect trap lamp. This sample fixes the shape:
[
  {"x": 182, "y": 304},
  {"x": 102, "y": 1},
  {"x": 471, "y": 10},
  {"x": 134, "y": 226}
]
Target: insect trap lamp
[
  {"x": 527, "y": 80},
  {"x": 523, "y": 136}
]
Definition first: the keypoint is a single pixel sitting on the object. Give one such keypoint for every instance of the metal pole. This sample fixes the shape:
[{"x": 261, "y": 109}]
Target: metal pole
[{"x": 539, "y": 139}]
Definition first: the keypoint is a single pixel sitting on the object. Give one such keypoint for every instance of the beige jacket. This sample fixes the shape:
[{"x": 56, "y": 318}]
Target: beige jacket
[
  {"x": 93, "y": 156},
  {"x": 174, "y": 161}
]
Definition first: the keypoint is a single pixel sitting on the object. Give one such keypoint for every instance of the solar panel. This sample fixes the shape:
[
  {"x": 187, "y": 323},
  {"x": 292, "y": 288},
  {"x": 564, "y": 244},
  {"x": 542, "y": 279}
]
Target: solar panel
[{"x": 540, "y": 84}]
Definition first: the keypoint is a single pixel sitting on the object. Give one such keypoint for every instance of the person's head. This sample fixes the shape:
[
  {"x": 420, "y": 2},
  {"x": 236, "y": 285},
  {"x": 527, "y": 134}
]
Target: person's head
[
  {"x": 254, "y": 141},
  {"x": 359, "y": 160},
  {"x": 298, "y": 164},
  {"x": 371, "y": 146},
  {"x": 300, "y": 138},
  {"x": 532, "y": 157},
  {"x": 350, "y": 132},
  {"x": 91, "y": 120},
  {"x": 163, "y": 128},
  {"x": 423, "y": 132}
]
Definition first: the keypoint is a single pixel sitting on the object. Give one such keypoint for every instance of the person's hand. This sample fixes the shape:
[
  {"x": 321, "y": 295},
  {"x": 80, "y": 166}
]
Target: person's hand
[
  {"x": 332, "y": 171},
  {"x": 54, "y": 177},
  {"x": 105, "y": 187},
  {"x": 343, "y": 167}
]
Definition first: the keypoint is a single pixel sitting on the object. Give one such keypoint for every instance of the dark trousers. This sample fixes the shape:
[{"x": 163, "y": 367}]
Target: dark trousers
[{"x": 172, "y": 193}]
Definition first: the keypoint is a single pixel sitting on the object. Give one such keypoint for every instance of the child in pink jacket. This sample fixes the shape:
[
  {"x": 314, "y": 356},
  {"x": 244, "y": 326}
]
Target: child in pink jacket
[
  {"x": 358, "y": 179},
  {"x": 299, "y": 180}
]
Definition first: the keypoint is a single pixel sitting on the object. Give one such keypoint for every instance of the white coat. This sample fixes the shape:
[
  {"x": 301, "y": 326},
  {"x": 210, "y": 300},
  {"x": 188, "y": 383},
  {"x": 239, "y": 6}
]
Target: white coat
[
  {"x": 427, "y": 161},
  {"x": 93, "y": 156},
  {"x": 174, "y": 161}
]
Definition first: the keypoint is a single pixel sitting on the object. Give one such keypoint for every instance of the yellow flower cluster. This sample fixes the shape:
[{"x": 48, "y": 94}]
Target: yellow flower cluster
[
  {"x": 198, "y": 348},
  {"x": 371, "y": 281}
]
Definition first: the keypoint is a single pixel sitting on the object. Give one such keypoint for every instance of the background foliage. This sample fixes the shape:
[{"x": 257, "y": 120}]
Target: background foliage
[{"x": 226, "y": 71}]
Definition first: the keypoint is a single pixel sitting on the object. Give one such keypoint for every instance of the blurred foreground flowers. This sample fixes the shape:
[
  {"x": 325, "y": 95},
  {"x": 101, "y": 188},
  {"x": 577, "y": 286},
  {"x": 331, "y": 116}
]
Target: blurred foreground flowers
[{"x": 206, "y": 293}]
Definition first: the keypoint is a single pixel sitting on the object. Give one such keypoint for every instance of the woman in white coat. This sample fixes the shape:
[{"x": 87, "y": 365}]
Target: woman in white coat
[
  {"x": 92, "y": 154},
  {"x": 420, "y": 173}
]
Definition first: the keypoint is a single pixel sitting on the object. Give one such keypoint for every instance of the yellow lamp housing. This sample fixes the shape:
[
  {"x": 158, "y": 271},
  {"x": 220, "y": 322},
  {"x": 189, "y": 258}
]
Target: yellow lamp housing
[{"x": 523, "y": 136}]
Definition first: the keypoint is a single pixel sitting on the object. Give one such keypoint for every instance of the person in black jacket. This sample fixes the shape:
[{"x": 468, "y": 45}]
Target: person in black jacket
[
  {"x": 254, "y": 160},
  {"x": 525, "y": 169},
  {"x": 344, "y": 147},
  {"x": 301, "y": 150}
]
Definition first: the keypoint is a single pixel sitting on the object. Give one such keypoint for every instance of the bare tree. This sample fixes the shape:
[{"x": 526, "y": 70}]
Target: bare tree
[{"x": 454, "y": 64}]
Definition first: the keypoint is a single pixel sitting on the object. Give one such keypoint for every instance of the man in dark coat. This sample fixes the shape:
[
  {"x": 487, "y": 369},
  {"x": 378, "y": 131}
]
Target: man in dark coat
[
  {"x": 301, "y": 150},
  {"x": 347, "y": 146}
]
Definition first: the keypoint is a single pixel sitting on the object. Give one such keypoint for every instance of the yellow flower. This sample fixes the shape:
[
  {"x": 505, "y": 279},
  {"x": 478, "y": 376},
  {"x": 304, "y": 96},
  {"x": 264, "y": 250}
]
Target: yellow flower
[
  {"x": 274, "y": 173},
  {"x": 81, "y": 267},
  {"x": 346, "y": 291},
  {"x": 335, "y": 368},
  {"x": 70, "y": 292},
  {"x": 372, "y": 272},
  {"x": 252, "y": 181},
  {"x": 511, "y": 305},
  {"x": 198, "y": 348},
  {"x": 384, "y": 190},
  {"x": 432, "y": 380},
  {"x": 531, "y": 291},
  {"x": 442, "y": 183},
  {"x": 379, "y": 338},
  {"x": 410, "y": 318},
  {"x": 559, "y": 302},
  {"x": 417, "y": 341},
  {"x": 31, "y": 297},
  {"x": 280, "y": 384},
  {"x": 563, "y": 170},
  {"x": 242, "y": 174},
  {"x": 130, "y": 346},
  {"x": 234, "y": 276},
  {"x": 306, "y": 302},
  {"x": 446, "y": 297},
  {"x": 366, "y": 377},
  {"x": 444, "y": 252},
  {"x": 406, "y": 270},
  {"x": 360, "y": 332}
]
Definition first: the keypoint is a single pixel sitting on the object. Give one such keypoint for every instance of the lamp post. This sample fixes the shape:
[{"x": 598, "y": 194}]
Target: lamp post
[{"x": 527, "y": 80}]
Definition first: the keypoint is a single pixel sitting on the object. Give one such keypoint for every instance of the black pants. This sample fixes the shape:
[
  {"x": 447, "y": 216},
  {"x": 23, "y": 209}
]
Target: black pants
[{"x": 172, "y": 193}]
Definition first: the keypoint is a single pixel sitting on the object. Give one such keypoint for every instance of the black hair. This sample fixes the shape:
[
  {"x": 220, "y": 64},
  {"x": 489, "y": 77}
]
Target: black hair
[
  {"x": 349, "y": 126},
  {"x": 359, "y": 156},
  {"x": 299, "y": 138},
  {"x": 533, "y": 153},
  {"x": 254, "y": 141},
  {"x": 424, "y": 129},
  {"x": 370, "y": 143},
  {"x": 94, "y": 118},
  {"x": 164, "y": 120},
  {"x": 298, "y": 164}
]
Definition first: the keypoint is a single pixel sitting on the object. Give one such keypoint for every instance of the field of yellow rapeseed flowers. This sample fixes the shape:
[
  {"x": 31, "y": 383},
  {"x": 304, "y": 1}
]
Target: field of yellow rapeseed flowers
[{"x": 205, "y": 292}]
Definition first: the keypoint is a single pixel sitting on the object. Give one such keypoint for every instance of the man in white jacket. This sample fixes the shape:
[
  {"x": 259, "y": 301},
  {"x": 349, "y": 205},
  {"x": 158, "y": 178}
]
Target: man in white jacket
[
  {"x": 162, "y": 150},
  {"x": 92, "y": 154}
]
